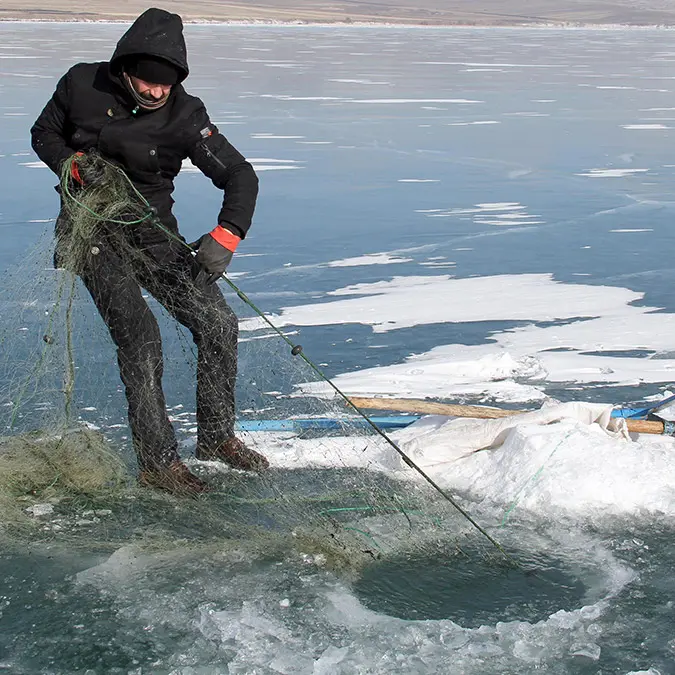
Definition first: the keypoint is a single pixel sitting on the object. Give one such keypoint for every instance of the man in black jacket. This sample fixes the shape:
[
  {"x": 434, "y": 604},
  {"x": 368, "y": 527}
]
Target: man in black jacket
[{"x": 135, "y": 113}]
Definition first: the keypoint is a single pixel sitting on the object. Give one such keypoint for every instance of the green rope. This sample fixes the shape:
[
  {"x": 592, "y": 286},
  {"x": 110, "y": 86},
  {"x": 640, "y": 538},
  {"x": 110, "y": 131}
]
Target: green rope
[
  {"x": 340, "y": 509},
  {"x": 365, "y": 534}
]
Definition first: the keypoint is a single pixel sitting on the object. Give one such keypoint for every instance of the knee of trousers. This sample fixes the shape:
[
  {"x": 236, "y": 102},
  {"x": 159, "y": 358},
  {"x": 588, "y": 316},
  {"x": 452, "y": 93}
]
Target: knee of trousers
[
  {"x": 137, "y": 333},
  {"x": 140, "y": 365}
]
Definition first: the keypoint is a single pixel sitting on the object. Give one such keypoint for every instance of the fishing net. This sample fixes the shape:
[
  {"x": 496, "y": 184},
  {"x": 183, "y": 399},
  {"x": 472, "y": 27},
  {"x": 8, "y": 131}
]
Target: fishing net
[{"x": 337, "y": 489}]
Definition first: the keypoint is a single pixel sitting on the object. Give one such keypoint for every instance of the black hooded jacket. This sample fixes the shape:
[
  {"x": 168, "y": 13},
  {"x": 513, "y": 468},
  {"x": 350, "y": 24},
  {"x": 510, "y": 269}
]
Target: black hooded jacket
[{"x": 92, "y": 108}]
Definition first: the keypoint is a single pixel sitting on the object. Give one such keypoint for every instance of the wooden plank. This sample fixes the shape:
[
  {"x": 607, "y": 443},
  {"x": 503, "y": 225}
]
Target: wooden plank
[
  {"x": 644, "y": 426},
  {"x": 422, "y": 407},
  {"x": 413, "y": 405}
]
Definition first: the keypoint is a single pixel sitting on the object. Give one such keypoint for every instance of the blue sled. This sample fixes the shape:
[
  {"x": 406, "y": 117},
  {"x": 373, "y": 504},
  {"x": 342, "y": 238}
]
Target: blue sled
[
  {"x": 385, "y": 421},
  {"x": 326, "y": 423}
]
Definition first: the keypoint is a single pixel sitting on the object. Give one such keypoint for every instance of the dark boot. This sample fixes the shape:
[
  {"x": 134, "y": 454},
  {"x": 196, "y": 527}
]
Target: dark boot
[
  {"x": 236, "y": 454},
  {"x": 175, "y": 478}
]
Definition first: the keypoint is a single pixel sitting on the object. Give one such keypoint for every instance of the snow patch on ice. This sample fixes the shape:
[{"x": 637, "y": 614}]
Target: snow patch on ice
[
  {"x": 412, "y": 100},
  {"x": 356, "y": 81},
  {"x": 419, "y": 180},
  {"x": 635, "y": 229},
  {"x": 599, "y": 319},
  {"x": 389, "y": 305},
  {"x": 369, "y": 259},
  {"x": 645, "y": 126},
  {"x": 466, "y": 124},
  {"x": 610, "y": 173},
  {"x": 267, "y": 136},
  {"x": 491, "y": 376},
  {"x": 488, "y": 213}
]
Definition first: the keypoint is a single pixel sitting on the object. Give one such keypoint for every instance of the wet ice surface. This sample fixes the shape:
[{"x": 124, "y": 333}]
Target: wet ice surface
[
  {"x": 587, "y": 516},
  {"x": 475, "y": 214},
  {"x": 222, "y": 610}
]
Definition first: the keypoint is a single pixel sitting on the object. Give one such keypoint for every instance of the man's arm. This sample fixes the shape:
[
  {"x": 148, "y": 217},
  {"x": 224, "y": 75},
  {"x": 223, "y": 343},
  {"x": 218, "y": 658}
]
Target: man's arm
[
  {"x": 48, "y": 132},
  {"x": 218, "y": 159}
]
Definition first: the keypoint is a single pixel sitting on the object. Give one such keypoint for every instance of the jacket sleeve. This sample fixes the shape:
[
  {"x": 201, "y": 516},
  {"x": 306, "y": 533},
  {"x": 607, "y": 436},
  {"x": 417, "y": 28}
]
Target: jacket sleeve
[
  {"x": 48, "y": 134},
  {"x": 220, "y": 161}
]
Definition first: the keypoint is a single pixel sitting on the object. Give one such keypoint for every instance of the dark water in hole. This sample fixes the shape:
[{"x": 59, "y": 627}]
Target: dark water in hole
[{"x": 468, "y": 589}]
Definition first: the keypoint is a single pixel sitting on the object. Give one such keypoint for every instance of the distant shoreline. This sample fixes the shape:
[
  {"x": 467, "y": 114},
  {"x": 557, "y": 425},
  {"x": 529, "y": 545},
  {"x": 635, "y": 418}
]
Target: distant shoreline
[
  {"x": 373, "y": 13},
  {"x": 351, "y": 24}
]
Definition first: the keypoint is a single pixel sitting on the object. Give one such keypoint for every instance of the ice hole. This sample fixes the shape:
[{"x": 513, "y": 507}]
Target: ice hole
[{"x": 469, "y": 588}]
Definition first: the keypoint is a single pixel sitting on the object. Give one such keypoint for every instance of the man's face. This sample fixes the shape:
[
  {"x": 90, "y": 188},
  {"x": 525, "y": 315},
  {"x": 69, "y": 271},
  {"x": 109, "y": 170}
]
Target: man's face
[{"x": 150, "y": 91}]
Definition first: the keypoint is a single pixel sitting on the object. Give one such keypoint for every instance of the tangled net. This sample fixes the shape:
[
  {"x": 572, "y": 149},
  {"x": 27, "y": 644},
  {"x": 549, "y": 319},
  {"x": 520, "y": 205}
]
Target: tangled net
[{"x": 342, "y": 492}]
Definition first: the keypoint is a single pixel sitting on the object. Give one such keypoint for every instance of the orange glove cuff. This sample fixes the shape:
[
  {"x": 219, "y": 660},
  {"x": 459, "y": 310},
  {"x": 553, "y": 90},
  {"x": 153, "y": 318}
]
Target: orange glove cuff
[{"x": 225, "y": 238}]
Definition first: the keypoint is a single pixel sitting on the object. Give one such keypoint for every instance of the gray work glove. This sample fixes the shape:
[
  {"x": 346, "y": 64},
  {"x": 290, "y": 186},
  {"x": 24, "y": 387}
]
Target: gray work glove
[{"x": 214, "y": 252}]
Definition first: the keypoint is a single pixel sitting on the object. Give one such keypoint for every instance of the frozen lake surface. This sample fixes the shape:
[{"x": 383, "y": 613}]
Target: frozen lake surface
[{"x": 479, "y": 215}]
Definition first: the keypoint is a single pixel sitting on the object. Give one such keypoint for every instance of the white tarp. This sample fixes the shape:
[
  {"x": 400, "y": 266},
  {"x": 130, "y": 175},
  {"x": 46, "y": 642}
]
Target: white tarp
[
  {"x": 469, "y": 435},
  {"x": 568, "y": 458}
]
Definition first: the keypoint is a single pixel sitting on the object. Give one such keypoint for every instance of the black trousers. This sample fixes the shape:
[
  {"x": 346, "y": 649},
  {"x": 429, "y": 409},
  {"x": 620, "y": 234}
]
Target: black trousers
[{"x": 114, "y": 270}]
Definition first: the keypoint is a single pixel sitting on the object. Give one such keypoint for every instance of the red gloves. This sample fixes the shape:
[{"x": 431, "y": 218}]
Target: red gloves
[{"x": 75, "y": 169}]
